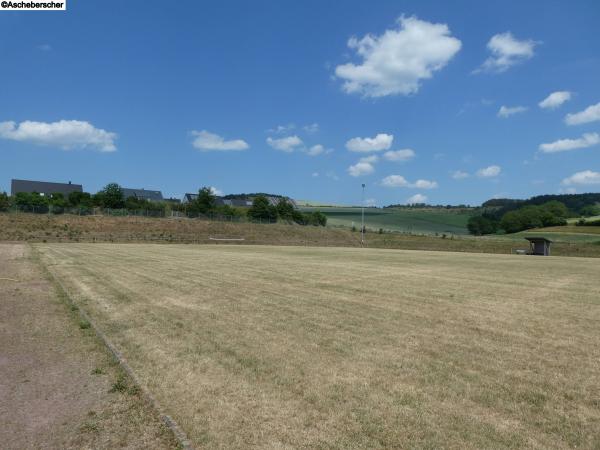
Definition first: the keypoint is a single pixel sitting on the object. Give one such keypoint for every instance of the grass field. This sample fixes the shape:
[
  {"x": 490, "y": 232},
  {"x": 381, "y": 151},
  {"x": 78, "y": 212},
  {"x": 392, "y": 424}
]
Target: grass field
[
  {"x": 428, "y": 221},
  {"x": 288, "y": 347}
]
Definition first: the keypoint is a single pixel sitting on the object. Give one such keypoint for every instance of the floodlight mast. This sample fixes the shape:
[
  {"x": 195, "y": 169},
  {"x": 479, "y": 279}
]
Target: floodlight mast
[{"x": 362, "y": 226}]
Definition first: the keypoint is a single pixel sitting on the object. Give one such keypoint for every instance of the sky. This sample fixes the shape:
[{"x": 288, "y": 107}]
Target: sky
[{"x": 430, "y": 101}]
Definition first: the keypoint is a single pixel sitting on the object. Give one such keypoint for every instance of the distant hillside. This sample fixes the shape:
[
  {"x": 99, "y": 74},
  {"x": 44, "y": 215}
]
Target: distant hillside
[{"x": 574, "y": 202}]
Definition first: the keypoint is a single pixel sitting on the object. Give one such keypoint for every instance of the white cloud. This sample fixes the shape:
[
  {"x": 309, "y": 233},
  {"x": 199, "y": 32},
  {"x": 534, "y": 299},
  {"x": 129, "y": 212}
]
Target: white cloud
[
  {"x": 506, "y": 52},
  {"x": 396, "y": 61},
  {"x": 489, "y": 172},
  {"x": 399, "y": 155},
  {"x": 425, "y": 184},
  {"x": 555, "y": 99},
  {"x": 315, "y": 174},
  {"x": 400, "y": 181},
  {"x": 370, "y": 202},
  {"x": 361, "y": 168},
  {"x": 286, "y": 144},
  {"x": 318, "y": 149},
  {"x": 563, "y": 145},
  {"x": 312, "y": 128},
  {"x": 395, "y": 181},
  {"x": 65, "y": 134},
  {"x": 280, "y": 129},
  {"x": 370, "y": 159},
  {"x": 208, "y": 142},
  {"x": 380, "y": 142},
  {"x": 415, "y": 199},
  {"x": 44, "y": 47},
  {"x": 507, "y": 111},
  {"x": 216, "y": 191},
  {"x": 459, "y": 175},
  {"x": 589, "y": 114},
  {"x": 585, "y": 177}
]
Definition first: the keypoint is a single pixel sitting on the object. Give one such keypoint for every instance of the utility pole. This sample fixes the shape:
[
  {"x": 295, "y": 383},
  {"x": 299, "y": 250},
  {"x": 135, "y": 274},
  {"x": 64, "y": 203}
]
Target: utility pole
[{"x": 362, "y": 226}]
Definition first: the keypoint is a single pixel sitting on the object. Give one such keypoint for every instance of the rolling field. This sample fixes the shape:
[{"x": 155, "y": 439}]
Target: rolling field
[
  {"x": 287, "y": 347},
  {"x": 427, "y": 221}
]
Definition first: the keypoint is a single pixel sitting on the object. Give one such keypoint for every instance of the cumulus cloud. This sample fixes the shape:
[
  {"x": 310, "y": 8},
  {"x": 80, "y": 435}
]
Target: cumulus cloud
[
  {"x": 506, "y": 51},
  {"x": 399, "y": 155},
  {"x": 364, "y": 166},
  {"x": 64, "y": 134},
  {"x": 209, "y": 142},
  {"x": 399, "y": 181},
  {"x": 416, "y": 199},
  {"x": 507, "y": 111},
  {"x": 361, "y": 168},
  {"x": 318, "y": 149},
  {"x": 380, "y": 142},
  {"x": 564, "y": 145},
  {"x": 286, "y": 144},
  {"x": 586, "y": 177},
  {"x": 459, "y": 175},
  {"x": 216, "y": 191},
  {"x": 589, "y": 114},
  {"x": 396, "y": 61},
  {"x": 555, "y": 99},
  {"x": 489, "y": 172}
]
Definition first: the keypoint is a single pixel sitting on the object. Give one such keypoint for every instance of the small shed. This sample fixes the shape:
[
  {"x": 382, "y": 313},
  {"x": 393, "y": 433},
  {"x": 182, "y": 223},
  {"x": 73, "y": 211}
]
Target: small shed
[{"x": 539, "y": 246}]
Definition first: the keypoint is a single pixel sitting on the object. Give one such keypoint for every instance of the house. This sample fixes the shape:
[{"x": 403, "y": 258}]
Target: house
[
  {"x": 539, "y": 246},
  {"x": 43, "y": 187},
  {"x": 143, "y": 194},
  {"x": 189, "y": 198}
]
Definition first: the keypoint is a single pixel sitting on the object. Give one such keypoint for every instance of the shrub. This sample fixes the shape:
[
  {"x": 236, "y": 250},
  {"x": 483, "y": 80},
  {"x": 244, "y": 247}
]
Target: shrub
[{"x": 261, "y": 209}]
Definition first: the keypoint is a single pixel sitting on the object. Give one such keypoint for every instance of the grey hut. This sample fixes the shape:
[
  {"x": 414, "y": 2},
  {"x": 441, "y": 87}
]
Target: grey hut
[{"x": 539, "y": 246}]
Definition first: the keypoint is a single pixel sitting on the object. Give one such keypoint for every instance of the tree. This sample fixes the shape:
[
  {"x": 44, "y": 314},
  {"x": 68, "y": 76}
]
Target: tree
[
  {"x": 556, "y": 208},
  {"x": 285, "y": 209},
  {"x": 78, "y": 199},
  {"x": 590, "y": 211},
  {"x": 4, "y": 201},
  {"x": 112, "y": 196},
  {"x": 261, "y": 209},
  {"x": 206, "y": 201},
  {"x": 317, "y": 218},
  {"x": 480, "y": 225}
]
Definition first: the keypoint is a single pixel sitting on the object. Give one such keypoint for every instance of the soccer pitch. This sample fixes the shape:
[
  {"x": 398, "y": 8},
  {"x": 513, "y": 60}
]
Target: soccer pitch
[{"x": 287, "y": 347}]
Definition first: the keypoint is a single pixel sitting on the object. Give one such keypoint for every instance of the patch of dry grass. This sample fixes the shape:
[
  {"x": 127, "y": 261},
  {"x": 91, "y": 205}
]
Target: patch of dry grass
[{"x": 250, "y": 346}]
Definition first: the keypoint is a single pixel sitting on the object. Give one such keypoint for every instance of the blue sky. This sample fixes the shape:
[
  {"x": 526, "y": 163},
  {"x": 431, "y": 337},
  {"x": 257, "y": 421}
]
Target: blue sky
[{"x": 418, "y": 100}]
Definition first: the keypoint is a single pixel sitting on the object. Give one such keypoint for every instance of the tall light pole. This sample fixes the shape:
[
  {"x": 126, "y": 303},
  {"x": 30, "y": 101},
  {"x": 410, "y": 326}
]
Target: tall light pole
[{"x": 362, "y": 226}]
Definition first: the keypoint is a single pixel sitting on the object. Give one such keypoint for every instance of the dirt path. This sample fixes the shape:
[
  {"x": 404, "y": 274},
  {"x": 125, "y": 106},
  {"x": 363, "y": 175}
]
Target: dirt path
[{"x": 59, "y": 388}]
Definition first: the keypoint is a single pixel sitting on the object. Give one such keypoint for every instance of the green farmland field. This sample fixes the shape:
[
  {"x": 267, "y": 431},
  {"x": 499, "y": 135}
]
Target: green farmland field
[{"x": 425, "y": 221}]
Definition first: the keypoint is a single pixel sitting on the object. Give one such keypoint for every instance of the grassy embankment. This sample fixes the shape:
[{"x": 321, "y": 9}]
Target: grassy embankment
[{"x": 67, "y": 228}]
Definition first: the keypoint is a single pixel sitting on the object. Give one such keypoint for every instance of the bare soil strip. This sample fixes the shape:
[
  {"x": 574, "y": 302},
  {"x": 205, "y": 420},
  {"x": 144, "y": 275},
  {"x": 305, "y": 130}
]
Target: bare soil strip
[{"x": 59, "y": 387}]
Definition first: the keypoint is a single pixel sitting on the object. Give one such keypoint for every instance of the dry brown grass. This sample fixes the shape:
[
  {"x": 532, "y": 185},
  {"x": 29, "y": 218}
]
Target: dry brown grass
[{"x": 283, "y": 347}]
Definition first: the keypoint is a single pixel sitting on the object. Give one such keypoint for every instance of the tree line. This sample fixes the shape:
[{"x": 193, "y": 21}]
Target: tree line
[
  {"x": 206, "y": 204},
  {"x": 512, "y": 216}
]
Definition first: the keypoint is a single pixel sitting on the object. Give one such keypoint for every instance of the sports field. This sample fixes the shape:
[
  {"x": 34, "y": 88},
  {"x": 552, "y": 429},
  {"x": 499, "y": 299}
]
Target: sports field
[{"x": 288, "y": 347}]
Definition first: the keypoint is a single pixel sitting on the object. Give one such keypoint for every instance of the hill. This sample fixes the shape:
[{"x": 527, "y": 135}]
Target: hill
[{"x": 407, "y": 220}]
